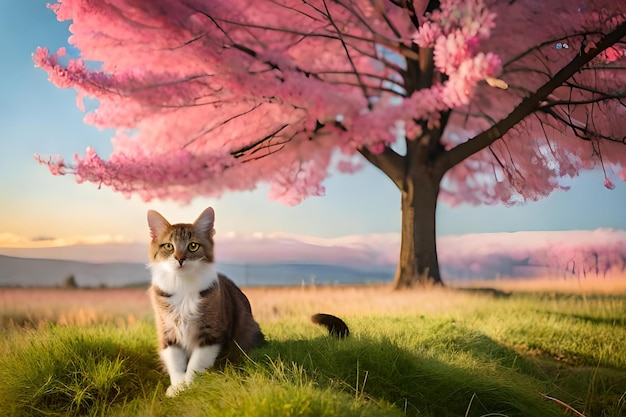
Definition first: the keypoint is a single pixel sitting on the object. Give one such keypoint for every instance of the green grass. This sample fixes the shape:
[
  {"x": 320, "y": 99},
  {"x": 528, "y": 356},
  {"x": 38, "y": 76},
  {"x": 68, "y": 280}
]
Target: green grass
[{"x": 488, "y": 356}]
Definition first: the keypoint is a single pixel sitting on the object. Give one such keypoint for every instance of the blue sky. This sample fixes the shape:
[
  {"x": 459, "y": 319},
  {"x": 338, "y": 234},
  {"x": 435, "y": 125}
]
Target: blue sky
[{"x": 36, "y": 117}]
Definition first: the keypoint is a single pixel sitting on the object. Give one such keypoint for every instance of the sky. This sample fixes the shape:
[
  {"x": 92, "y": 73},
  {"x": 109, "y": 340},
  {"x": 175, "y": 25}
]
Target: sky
[{"x": 38, "y": 209}]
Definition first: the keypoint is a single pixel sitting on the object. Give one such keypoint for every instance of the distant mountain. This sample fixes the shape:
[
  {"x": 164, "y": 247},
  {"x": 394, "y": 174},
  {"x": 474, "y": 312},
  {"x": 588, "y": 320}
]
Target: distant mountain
[
  {"x": 28, "y": 272},
  {"x": 297, "y": 274},
  {"x": 105, "y": 253}
]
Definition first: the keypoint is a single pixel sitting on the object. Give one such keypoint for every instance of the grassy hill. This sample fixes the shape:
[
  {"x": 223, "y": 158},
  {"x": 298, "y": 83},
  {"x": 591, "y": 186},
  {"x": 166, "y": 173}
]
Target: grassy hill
[{"x": 417, "y": 353}]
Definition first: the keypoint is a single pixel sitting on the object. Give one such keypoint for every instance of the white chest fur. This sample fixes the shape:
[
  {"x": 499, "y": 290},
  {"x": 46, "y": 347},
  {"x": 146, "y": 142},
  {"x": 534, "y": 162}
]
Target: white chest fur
[{"x": 184, "y": 286}]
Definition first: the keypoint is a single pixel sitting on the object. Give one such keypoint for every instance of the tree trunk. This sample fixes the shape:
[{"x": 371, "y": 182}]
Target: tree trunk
[
  {"x": 418, "y": 264},
  {"x": 417, "y": 175}
]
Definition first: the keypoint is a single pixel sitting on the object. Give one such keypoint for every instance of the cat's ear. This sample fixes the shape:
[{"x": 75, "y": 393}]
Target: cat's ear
[
  {"x": 204, "y": 223},
  {"x": 157, "y": 223}
]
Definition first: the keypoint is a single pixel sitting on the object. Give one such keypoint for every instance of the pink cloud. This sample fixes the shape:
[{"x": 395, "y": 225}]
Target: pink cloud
[
  {"x": 355, "y": 250},
  {"x": 528, "y": 253}
]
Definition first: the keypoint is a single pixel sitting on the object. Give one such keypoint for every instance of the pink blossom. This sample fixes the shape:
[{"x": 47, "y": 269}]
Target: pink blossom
[
  {"x": 427, "y": 35},
  {"x": 609, "y": 184},
  {"x": 346, "y": 166},
  {"x": 377, "y": 147},
  {"x": 612, "y": 54},
  {"x": 209, "y": 96},
  {"x": 56, "y": 164}
]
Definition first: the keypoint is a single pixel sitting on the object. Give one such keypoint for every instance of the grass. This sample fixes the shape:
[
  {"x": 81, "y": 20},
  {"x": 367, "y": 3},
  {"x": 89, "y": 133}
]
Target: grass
[{"x": 418, "y": 353}]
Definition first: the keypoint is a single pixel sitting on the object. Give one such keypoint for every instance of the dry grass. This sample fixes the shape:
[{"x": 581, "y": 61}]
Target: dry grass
[
  {"x": 30, "y": 307},
  {"x": 611, "y": 284},
  {"x": 275, "y": 304}
]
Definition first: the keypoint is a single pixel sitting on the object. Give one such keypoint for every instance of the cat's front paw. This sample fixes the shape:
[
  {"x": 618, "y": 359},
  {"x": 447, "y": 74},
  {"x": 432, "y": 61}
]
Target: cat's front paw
[
  {"x": 190, "y": 376},
  {"x": 174, "y": 390}
]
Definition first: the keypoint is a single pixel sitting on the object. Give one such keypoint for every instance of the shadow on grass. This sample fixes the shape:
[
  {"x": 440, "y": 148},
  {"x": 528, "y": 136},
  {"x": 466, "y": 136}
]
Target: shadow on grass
[
  {"x": 416, "y": 383},
  {"x": 95, "y": 372},
  {"x": 616, "y": 322},
  {"x": 494, "y": 292}
]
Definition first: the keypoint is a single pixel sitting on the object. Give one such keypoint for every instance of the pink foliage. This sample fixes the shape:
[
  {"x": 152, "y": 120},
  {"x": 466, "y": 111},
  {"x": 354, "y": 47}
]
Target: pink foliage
[
  {"x": 579, "y": 126},
  {"x": 525, "y": 254},
  {"x": 349, "y": 166},
  {"x": 221, "y": 95}
]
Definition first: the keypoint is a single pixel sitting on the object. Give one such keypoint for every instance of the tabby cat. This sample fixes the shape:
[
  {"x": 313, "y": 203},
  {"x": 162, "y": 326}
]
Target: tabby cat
[{"x": 202, "y": 318}]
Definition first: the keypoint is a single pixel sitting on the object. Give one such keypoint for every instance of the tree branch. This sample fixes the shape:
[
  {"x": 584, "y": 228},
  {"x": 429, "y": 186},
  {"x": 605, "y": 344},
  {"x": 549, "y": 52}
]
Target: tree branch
[
  {"x": 529, "y": 104},
  {"x": 238, "y": 153},
  {"x": 580, "y": 130},
  {"x": 550, "y": 43},
  {"x": 377, "y": 38},
  {"x": 592, "y": 100},
  {"x": 222, "y": 123},
  {"x": 347, "y": 51},
  {"x": 388, "y": 161}
]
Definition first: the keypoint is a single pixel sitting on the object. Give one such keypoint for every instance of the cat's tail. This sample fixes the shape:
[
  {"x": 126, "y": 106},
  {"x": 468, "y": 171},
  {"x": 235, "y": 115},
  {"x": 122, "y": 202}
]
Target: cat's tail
[{"x": 335, "y": 326}]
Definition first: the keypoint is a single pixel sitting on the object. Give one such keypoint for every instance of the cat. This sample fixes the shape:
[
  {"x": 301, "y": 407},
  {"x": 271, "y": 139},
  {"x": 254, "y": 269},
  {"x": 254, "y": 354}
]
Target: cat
[{"x": 203, "y": 319}]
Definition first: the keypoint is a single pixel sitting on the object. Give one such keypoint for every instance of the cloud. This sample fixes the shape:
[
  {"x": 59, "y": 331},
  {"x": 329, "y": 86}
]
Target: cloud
[
  {"x": 10, "y": 240},
  {"x": 42, "y": 238},
  {"x": 370, "y": 250},
  {"x": 522, "y": 254}
]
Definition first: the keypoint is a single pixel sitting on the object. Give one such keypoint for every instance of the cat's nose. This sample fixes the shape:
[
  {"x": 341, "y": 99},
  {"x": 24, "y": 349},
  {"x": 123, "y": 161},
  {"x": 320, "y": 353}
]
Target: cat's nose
[{"x": 180, "y": 260}]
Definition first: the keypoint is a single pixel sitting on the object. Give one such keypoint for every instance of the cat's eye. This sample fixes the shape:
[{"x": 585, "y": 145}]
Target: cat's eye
[
  {"x": 167, "y": 246},
  {"x": 193, "y": 246}
]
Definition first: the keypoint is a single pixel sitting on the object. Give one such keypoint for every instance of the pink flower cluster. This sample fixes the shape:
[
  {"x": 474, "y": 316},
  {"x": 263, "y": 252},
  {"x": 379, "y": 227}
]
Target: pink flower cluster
[
  {"x": 208, "y": 96},
  {"x": 455, "y": 33},
  {"x": 471, "y": 18}
]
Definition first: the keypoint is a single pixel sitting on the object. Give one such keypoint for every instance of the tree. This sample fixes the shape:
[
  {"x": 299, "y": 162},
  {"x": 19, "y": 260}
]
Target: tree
[
  {"x": 458, "y": 100},
  {"x": 70, "y": 282}
]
